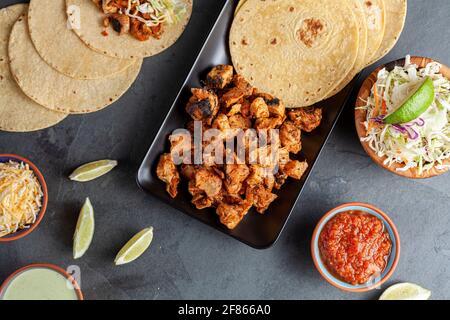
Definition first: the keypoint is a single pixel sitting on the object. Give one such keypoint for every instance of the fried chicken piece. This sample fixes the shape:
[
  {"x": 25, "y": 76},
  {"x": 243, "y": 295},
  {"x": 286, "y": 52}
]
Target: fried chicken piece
[
  {"x": 219, "y": 77},
  {"x": 221, "y": 122},
  {"x": 256, "y": 176},
  {"x": 259, "y": 109},
  {"x": 231, "y": 214},
  {"x": 283, "y": 156},
  {"x": 240, "y": 82},
  {"x": 207, "y": 181},
  {"x": 188, "y": 171},
  {"x": 290, "y": 136},
  {"x": 268, "y": 123},
  {"x": 276, "y": 107},
  {"x": 120, "y": 23},
  {"x": 202, "y": 202},
  {"x": 191, "y": 126},
  {"x": 239, "y": 122},
  {"x": 181, "y": 147},
  {"x": 307, "y": 119},
  {"x": 108, "y": 6},
  {"x": 235, "y": 109},
  {"x": 295, "y": 169},
  {"x": 235, "y": 175},
  {"x": 245, "y": 108},
  {"x": 203, "y": 105},
  {"x": 167, "y": 172},
  {"x": 280, "y": 179},
  {"x": 260, "y": 197},
  {"x": 232, "y": 97}
]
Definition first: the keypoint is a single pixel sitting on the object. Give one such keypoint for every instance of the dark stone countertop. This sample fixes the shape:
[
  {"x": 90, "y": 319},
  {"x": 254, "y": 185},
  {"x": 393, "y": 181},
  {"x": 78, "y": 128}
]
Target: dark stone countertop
[{"x": 190, "y": 260}]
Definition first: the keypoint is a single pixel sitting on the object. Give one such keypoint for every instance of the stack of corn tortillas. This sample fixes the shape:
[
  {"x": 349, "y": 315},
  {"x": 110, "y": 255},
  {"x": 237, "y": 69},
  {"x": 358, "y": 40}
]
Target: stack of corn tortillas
[
  {"x": 307, "y": 51},
  {"x": 49, "y": 70}
]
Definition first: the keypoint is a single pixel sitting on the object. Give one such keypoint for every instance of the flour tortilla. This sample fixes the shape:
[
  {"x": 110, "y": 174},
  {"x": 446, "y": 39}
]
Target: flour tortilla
[
  {"x": 376, "y": 24},
  {"x": 18, "y": 113},
  {"x": 360, "y": 62},
  {"x": 55, "y": 91},
  {"x": 396, "y": 11},
  {"x": 273, "y": 45},
  {"x": 62, "y": 49},
  {"x": 121, "y": 46}
]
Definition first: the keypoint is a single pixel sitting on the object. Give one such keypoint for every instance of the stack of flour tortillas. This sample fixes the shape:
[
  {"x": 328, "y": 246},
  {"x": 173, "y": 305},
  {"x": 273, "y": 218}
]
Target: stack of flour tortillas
[
  {"x": 306, "y": 51},
  {"x": 49, "y": 68}
]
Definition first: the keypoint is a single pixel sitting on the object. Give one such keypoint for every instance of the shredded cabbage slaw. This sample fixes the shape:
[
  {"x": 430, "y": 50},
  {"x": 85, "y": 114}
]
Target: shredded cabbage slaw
[
  {"x": 160, "y": 11},
  {"x": 423, "y": 143}
]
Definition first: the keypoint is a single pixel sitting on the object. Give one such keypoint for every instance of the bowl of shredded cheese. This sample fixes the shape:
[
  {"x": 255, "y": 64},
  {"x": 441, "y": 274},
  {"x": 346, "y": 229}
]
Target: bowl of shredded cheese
[{"x": 23, "y": 197}]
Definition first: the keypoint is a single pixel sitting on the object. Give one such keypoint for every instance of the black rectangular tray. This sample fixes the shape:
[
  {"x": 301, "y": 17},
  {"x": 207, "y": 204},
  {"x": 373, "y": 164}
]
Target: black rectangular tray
[{"x": 256, "y": 230}]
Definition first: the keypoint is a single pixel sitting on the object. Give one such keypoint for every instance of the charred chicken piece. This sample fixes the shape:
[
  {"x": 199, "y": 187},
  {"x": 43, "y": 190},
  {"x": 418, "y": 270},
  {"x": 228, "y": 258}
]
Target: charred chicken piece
[
  {"x": 188, "y": 171},
  {"x": 268, "y": 123},
  {"x": 240, "y": 82},
  {"x": 280, "y": 179},
  {"x": 203, "y": 105},
  {"x": 108, "y": 6},
  {"x": 290, "y": 136},
  {"x": 167, "y": 172},
  {"x": 231, "y": 97},
  {"x": 207, "y": 181},
  {"x": 295, "y": 169},
  {"x": 120, "y": 23},
  {"x": 276, "y": 107},
  {"x": 235, "y": 175},
  {"x": 259, "y": 109},
  {"x": 260, "y": 197},
  {"x": 220, "y": 77},
  {"x": 306, "y": 119},
  {"x": 239, "y": 122},
  {"x": 234, "y": 110},
  {"x": 139, "y": 30},
  {"x": 231, "y": 214}
]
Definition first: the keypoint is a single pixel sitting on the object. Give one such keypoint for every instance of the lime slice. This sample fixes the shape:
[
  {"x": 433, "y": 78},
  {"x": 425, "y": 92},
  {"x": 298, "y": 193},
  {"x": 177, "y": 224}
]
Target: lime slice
[
  {"x": 92, "y": 170},
  {"x": 416, "y": 104},
  {"x": 406, "y": 291},
  {"x": 84, "y": 231},
  {"x": 135, "y": 247}
]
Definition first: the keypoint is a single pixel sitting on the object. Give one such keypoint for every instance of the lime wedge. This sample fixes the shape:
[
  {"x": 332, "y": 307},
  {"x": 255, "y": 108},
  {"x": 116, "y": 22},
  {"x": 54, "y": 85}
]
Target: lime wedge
[
  {"x": 406, "y": 291},
  {"x": 135, "y": 247},
  {"x": 84, "y": 231},
  {"x": 416, "y": 104},
  {"x": 92, "y": 170}
]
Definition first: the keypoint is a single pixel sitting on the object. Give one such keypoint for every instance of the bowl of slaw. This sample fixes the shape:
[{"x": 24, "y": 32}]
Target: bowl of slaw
[
  {"x": 38, "y": 216},
  {"x": 418, "y": 149}
]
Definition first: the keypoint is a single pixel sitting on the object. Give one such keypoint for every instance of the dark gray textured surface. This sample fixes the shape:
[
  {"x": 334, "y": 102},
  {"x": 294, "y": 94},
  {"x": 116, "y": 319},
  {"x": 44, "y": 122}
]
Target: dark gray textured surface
[{"x": 189, "y": 260}]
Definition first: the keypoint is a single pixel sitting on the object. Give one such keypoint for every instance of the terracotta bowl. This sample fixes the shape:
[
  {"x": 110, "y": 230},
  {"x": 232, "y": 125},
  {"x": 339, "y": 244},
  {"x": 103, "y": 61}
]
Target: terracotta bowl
[
  {"x": 360, "y": 117},
  {"x": 47, "y": 266},
  {"x": 392, "y": 261},
  {"x": 24, "y": 232}
]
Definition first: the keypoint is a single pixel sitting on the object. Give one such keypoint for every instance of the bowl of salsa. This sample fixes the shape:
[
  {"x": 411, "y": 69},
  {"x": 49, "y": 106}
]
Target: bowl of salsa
[{"x": 356, "y": 247}]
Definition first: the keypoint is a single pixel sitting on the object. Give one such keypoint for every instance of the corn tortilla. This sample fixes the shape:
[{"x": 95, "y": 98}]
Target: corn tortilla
[
  {"x": 376, "y": 24},
  {"x": 298, "y": 51},
  {"x": 396, "y": 11},
  {"x": 18, "y": 113},
  {"x": 120, "y": 46},
  {"x": 62, "y": 49},
  {"x": 55, "y": 91},
  {"x": 360, "y": 62}
]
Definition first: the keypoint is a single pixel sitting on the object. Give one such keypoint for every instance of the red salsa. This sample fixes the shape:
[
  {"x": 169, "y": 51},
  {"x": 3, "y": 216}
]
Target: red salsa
[{"x": 355, "y": 247}]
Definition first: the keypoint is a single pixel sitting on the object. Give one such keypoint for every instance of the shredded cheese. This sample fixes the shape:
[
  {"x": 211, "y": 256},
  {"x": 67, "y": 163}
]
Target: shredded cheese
[{"x": 20, "y": 197}]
